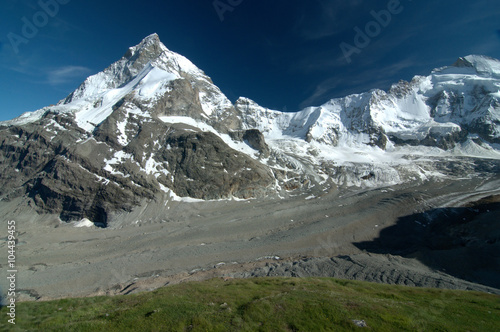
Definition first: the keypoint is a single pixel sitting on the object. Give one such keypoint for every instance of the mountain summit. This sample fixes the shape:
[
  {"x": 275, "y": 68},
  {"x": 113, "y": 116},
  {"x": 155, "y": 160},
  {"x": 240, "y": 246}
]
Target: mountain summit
[
  {"x": 483, "y": 65},
  {"x": 153, "y": 127}
]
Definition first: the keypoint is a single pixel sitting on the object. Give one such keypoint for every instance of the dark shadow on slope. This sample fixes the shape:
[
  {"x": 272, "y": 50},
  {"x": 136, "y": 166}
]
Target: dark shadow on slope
[{"x": 463, "y": 242}]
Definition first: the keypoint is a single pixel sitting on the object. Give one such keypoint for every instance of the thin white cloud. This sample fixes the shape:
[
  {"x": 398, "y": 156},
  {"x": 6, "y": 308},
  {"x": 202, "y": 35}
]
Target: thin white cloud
[{"x": 66, "y": 74}]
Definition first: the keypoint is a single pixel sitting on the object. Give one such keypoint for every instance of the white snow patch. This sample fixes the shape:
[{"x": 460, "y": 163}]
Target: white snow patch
[
  {"x": 155, "y": 83},
  {"x": 118, "y": 158},
  {"x": 27, "y": 117},
  {"x": 149, "y": 82},
  {"x": 238, "y": 146},
  {"x": 84, "y": 223}
]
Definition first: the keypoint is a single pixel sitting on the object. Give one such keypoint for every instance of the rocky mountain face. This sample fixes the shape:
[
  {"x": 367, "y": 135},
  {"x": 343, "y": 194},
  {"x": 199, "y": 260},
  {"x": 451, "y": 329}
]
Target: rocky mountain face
[{"x": 153, "y": 126}]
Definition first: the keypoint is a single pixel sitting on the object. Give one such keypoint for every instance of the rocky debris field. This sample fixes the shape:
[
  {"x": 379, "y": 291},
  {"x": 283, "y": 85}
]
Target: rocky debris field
[{"x": 340, "y": 233}]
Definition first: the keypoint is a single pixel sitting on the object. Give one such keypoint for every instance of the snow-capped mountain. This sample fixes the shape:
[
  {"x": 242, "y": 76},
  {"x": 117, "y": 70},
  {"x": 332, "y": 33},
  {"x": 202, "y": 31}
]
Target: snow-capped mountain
[
  {"x": 153, "y": 126},
  {"x": 144, "y": 81},
  {"x": 452, "y": 102}
]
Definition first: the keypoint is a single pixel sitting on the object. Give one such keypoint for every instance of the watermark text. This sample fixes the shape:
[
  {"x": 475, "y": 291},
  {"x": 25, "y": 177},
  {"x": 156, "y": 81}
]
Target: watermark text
[
  {"x": 372, "y": 29},
  {"x": 31, "y": 26},
  {"x": 11, "y": 271},
  {"x": 224, "y": 6}
]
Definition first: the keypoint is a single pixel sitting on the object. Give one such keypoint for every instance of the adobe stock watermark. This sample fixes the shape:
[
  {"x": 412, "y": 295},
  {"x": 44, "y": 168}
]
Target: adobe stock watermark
[
  {"x": 31, "y": 26},
  {"x": 372, "y": 29},
  {"x": 11, "y": 271},
  {"x": 224, "y": 6}
]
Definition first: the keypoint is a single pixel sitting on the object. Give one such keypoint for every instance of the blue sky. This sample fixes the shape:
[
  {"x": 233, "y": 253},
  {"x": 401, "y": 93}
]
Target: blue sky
[{"x": 284, "y": 54}]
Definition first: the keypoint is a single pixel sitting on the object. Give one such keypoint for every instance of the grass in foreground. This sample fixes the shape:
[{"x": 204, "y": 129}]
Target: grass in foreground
[{"x": 267, "y": 304}]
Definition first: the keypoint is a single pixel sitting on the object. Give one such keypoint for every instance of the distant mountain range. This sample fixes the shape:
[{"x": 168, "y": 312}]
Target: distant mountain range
[{"x": 152, "y": 126}]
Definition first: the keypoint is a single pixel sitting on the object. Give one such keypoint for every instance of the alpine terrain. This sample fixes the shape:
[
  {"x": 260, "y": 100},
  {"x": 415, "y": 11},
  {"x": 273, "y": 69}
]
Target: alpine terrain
[{"x": 398, "y": 186}]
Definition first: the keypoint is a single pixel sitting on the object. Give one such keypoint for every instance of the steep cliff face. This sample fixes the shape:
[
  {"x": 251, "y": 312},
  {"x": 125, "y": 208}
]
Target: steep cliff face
[{"x": 153, "y": 125}]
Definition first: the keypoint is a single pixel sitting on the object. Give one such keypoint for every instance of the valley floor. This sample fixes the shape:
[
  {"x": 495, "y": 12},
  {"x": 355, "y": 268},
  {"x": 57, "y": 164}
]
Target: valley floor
[{"x": 350, "y": 234}]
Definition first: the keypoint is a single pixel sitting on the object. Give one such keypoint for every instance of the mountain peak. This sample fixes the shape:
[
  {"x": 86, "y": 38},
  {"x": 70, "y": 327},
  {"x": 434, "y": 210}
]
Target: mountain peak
[
  {"x": 483, "y": 65},
  {"x": 149, "y": 53},
  {"x": 149, "y": 49},
  {"x": 152, "y": 37},
  {"x": 151, "y": 40}
]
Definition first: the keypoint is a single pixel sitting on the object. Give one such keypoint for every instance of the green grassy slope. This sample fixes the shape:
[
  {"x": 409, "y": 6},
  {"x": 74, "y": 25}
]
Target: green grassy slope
[{"x": 267, "y": 304}]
